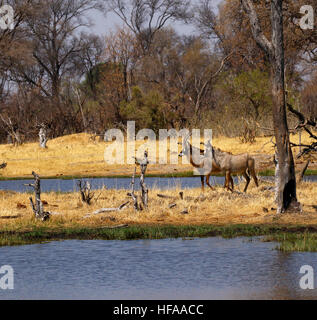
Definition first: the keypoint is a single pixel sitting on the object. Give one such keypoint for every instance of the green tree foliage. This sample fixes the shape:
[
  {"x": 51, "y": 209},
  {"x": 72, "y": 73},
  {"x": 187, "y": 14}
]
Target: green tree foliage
[
  {"x": 250, "y": 94},
  {"x": 146, "y": 109}
]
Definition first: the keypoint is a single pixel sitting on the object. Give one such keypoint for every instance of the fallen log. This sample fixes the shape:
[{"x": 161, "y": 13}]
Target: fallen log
[
  {"x": 185, "y": 211},
  {"x": 10, "y": 217},
  {"x": 104, "y": 210},
  {"x": 166, "y": 197},
  {"x": 163, "y": 196}
]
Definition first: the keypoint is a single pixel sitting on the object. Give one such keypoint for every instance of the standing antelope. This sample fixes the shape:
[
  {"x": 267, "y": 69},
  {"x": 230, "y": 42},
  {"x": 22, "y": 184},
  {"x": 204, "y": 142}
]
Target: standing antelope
[
  {"x": 230, "y": 163},
  {"x": 201, "y": 160}
]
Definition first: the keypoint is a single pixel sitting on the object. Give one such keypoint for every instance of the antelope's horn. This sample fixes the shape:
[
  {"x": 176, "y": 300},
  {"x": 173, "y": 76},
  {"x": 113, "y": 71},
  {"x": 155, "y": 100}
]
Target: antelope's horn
[{"x": 187, "y": 137}]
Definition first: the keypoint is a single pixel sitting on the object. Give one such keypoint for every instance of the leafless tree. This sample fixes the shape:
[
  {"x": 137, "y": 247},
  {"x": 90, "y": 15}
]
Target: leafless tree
[
  {"x": 146, "y": 17},
  {"x": 206, "y": 20},
  {"x": 56, "y": 48}
]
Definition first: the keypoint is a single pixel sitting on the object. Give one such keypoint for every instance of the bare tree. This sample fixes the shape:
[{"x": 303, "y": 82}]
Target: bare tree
[
  {"x": 56, "y": 48},
  {"x": 146, "y": 17},
  {"x": 207, "y": 21},
  {"x": 11, "y": 129},
  {"x": 121, "y": 49},
  {"x": 285, "y": 171},
  {"x": 14, "y": 43}
]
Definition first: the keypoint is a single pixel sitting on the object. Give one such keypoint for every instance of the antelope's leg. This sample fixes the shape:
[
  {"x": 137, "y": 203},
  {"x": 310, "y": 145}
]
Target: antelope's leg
[
  {"x": 231, "y": 181},
  {"x": 225, "y": 185},
  {"x": 255, "y": 178},
  {"x": 202, "y": 178},
  {"x": 248, "y": 179},
  {"x": 228, "y": 180},
  {"x": 208, "y": 184}
]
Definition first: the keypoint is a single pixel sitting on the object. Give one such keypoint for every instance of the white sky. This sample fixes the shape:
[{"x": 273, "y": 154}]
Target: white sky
[{"x": 102, "y": 24}]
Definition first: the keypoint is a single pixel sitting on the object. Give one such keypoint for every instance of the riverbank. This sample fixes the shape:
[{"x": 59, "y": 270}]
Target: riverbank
[
  {"x": 185, "y": 174},
  {"x": 78, "y": 156},
  {"x": 290, "y": 238},
  {"x": 196, "y": 215}
]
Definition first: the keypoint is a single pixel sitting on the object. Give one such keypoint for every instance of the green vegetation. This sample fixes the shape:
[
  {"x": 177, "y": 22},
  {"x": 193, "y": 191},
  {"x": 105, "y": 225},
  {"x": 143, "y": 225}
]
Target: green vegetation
[
  {"x": 298, "y": 241},
  {"x": 291, "y": 238}
]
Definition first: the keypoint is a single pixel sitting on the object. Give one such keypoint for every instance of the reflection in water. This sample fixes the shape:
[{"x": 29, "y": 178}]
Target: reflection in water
[{"x": 212, "y": 268}]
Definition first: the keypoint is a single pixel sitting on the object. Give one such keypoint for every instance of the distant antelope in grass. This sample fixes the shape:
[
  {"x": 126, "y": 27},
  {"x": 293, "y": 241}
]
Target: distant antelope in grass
[
  {"x": 229, "y": 163},
  {"x": 203, "y": 161}
]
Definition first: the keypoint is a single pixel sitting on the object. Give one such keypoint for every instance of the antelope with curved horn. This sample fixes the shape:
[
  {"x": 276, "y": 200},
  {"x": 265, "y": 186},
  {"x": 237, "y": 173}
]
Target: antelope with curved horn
[{"x": 203, "y": 161}]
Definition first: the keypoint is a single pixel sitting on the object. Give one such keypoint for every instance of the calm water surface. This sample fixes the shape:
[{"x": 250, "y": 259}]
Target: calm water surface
[
  {"x": 117, "y": 183},
  {"x": 211, "y": 268}
]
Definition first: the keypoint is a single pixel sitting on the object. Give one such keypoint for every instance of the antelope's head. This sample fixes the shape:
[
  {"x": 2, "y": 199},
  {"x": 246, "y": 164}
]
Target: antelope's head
[
  {"x": 185, "y": 147},
  {"x": 209, "y": 149}
]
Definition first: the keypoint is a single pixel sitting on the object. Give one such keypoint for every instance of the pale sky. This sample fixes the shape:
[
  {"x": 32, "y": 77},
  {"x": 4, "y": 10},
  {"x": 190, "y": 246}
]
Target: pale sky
[{"x": 103, "y": 24}]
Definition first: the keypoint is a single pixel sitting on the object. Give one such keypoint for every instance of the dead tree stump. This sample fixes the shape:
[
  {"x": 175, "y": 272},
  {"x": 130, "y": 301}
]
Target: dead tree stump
[
  {"x": 133, "y": 196},
  {"x": 37, "y": 207},
  {"x": 145, "y": 192},
  {"x": 43, "y": 136},
  {"x": 85, "y": 191}
]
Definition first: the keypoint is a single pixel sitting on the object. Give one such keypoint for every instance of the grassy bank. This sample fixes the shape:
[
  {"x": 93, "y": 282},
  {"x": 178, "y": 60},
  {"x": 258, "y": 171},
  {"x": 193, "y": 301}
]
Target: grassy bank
[
  {"x": 79, "y": 156},
  {"x": 291, "y": 238},
  {"x": 196, "y": 215}
]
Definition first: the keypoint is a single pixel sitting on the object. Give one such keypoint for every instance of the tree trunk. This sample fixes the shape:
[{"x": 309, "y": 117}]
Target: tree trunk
[
  {"x": 285, "y": 167},
  {"x": 285, "y": 173}
]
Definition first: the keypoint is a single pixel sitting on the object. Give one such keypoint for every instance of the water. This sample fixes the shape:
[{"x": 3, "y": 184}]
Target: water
[
  {"x": 211, "y": 268},
  {"x": 48, "y": 185}
]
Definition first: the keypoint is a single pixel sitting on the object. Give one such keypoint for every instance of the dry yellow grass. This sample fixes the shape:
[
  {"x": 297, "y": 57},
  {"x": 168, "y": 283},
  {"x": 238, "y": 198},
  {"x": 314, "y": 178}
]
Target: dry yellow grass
[
  {"x": 217, "y": 207},
  {"x": 78, "y": 155}
]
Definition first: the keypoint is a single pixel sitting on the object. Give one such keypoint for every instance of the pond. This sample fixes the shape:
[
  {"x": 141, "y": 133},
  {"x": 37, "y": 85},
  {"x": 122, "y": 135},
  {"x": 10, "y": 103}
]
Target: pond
[
  {"x": 60, "y": 185},
  {"x": 210, "y": 268}
]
